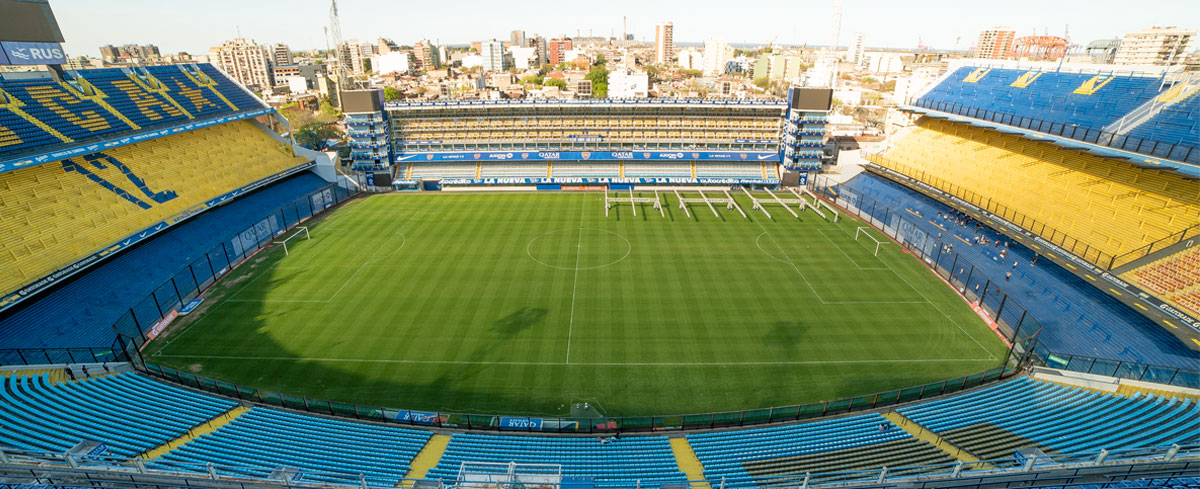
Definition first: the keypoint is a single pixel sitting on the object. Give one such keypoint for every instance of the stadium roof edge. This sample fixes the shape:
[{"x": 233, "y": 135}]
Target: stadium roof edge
[{"x": 1187, "y": 170}]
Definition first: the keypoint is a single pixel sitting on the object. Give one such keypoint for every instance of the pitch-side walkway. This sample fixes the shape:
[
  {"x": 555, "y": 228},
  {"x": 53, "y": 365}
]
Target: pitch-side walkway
[
  {"x": 206, "y": 428},
  {"x": 919, "y": 432},
  {"x": 688, "y": 462},
  {"x": 426, "y": 459}
]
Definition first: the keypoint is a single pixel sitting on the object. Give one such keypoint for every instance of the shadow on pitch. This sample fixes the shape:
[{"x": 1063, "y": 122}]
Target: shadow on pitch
[{"x": 519, "y": 320}]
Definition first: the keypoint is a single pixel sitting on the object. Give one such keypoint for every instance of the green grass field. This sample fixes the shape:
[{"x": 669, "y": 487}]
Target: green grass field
[{"x": 525, "y": 303}]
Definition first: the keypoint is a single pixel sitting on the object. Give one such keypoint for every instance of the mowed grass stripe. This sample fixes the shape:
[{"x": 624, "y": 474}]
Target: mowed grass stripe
[{"x": 695, "y": 317}]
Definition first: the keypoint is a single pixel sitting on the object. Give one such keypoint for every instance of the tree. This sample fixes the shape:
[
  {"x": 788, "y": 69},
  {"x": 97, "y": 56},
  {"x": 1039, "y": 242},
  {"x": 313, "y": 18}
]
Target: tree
[
  {"x": 599, "y": 78},
  {"x": 367, "y": 65},
  {"x": 326, "y": 107},
  {"x": 600, "y": 60},
  {"x": 532, "y": 80},
  {"x": 391, "y": 93},
  {"x": 691, "y": 73},
  {"x": 762, "y": 83},
  {"x": 316, "y": 135},
  {"x": 557, "y": 82}
]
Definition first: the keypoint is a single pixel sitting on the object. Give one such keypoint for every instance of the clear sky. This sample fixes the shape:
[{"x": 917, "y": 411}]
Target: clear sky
[{"x": 196, "y": 25}]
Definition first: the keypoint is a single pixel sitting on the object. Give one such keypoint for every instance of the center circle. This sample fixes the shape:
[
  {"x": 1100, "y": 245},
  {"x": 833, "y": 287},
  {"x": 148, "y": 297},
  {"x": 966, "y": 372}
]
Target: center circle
[{"x": 578, "y": 248}]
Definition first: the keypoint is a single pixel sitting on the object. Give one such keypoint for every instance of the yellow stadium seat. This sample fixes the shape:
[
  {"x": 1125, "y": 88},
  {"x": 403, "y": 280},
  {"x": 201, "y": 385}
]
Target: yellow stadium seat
[
  {"x": 1110, "y": 205},
  {"x": 60, "y": 215}
]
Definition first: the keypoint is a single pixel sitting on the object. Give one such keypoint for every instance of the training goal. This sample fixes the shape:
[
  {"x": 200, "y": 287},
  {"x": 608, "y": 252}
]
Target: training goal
[
  {"x": 862, "y": 231},
  {"x": 301, "y": 233}
]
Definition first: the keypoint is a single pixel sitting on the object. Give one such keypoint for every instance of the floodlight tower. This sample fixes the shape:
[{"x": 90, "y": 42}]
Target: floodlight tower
[
  {"x": 335, "y": 30},
  {"x": 837, "y": 33}
]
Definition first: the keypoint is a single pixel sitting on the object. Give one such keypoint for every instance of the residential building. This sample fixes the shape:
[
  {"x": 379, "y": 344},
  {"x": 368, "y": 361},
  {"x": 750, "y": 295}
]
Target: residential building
[
  {"x": 281, "y": 55},
  {"x": 384, "y": 45},
  {"x": 778, "y": 67},
  {"x": 690, "y": 59},
  {"x": 996, "y": 43},
  {"x": 518, "y": 39},
  {"x": 855, "y": 54},
  {"x": 493, "y": 55},
  {"x": 353, "y": 54},
  {"x": 128, "y": 53},
  {"x": 664, "y": 43},
  {"x": 245, "y": 61},
  {"x": 539, "y": 43},
  {"x": 393, "y": 62},
  {"x": 628, "y": 84},
  {"x": 1155, "y": 46},
  {"x": 878, "y": 62},
  {"x": 310, "y": 73},
  {"x": 557, "y": 50},
  {"x": 523, "y": 58},
  {"x": 426, "y": 55},
  {"x": 582, "y": 88},
  {"x": 716, "y": 54}
]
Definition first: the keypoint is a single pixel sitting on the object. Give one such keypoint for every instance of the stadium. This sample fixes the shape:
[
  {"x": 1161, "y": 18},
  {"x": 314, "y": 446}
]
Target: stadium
[{"x": 599, "y": 293}]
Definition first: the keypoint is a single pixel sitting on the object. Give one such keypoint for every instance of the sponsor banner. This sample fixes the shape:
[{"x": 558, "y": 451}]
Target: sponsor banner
[
  {"x": 605, "y": 181},
  {"x": 32, "y": 53},
  {"x": 159, "y": 326},
  {"x": 10, "y": 165},
  {"x": 524, "y": 424},
  {"x": 593, "y": 156},
  {"x": 191, "y": 306},
  {"x": 417, "y": 417}
]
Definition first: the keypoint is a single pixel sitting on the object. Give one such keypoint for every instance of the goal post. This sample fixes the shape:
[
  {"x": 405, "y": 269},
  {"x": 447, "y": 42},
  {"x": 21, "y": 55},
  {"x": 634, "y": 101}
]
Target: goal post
[
  {"x": 301, "y": 232},
  {"x": 862, "y": 231}
]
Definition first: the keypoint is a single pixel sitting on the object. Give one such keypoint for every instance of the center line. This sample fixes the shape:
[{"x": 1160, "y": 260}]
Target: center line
[{"x": 575, "y": 281}]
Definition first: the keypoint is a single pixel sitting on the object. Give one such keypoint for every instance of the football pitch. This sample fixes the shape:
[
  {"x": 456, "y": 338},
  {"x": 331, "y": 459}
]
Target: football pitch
[{"x": 527, "y": 303}]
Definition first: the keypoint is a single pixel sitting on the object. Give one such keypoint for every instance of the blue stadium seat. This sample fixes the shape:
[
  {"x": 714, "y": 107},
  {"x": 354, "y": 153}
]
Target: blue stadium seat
[
  {"x": 617, "y": 463},
  {"x": 321, "y": 448},
  {"x": 68, "y": 109},
  {"x": 127, "y": 412},
  {"x": 1076, "y": 317},
  {"x": 81, "y": 312}
]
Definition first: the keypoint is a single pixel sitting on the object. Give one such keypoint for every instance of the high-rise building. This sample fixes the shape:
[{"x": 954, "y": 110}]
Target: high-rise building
[
  {"x": 493, "y": 55},
  {"x": 1103, "y": 51},
  {"x": 716, "y": 54},
  {"x": 353, "y": 53},
  {"x": 556, "y": 50},
  {"x": 690, "y": 59},
  {"x": 664, "y": 43},
  {"x": 244, "y": 60},
  {"x": 518, "y": 39},
  {"x": 384, "y": 45},
  {"x": 855, "y": 54},
  {"x": 996, "y": 43},
  {"x": 426, "y": 55},
  {"x": 539, "y": 44},
  {"x": 1155, "y": 46},
  {"x": 128, "y": 53},
  {"x": 281, "y": 55}
]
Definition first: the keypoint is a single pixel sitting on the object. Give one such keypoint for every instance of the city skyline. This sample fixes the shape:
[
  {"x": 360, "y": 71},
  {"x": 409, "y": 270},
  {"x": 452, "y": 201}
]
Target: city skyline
[{"x": 944, "y": 25}]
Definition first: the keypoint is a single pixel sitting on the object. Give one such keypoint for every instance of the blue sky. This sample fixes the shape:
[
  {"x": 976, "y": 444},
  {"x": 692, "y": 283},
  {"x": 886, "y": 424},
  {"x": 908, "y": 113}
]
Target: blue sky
[{"x": 194, "y": 26}]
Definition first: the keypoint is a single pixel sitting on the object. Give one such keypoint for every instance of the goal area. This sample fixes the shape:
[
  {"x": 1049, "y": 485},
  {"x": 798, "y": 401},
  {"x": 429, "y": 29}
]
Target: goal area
[
  {"x": 300, "y": 234},
  {"x": 863, "y": 231}
]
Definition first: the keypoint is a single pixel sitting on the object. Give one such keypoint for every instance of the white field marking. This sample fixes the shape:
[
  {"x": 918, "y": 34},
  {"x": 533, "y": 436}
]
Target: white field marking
[
  {"x": 577, "y": 364},
  {"x": 575, "y": 281},
  {"x": 628, "y": 250},
  {"x": 370, "y": 259},
  {"x": 792, "y": 263},
  {"x": 833, "y": 303},
  {"x": 922, "y": 294},
  {"x": 325, "y": 235},
  {"x": 852, "y": 260}
]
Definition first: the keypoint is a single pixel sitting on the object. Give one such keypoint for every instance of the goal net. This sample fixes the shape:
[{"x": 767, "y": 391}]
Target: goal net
[
  {"x": 861, "y": 232},
  {"x": 300, "y": 234}
]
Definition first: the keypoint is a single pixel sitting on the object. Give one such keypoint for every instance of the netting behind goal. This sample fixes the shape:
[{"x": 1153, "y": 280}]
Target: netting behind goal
[{"x": 300, "y": 234}]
